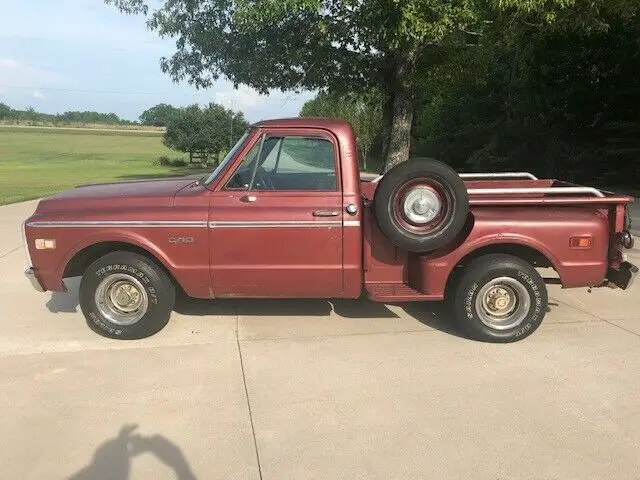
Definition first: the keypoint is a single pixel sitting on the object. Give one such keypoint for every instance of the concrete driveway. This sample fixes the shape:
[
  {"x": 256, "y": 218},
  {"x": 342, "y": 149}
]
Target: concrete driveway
[
  {"x": 314, "y": 390},
  {"x": 635, "y": 217}
]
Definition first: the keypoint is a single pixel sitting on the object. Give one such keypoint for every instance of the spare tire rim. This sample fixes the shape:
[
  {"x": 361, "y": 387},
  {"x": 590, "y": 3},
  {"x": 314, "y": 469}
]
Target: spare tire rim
[{"x": 422, "y": 205}]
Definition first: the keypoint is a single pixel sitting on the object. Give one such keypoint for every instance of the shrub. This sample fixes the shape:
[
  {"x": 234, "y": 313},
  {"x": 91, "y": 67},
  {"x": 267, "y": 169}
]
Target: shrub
[
  {"x": 178, "y": 162},
  {"x": 164, "y": 161}
]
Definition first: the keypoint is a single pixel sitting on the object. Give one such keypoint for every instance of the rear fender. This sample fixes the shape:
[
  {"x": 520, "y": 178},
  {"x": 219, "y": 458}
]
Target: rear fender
[
  {"x": 436, "y": 273},
  {"x": 507, "y": 240}
]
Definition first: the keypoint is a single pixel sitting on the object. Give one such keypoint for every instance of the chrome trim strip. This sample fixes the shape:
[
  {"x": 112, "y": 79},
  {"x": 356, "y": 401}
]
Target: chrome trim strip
[
  {"x": 25, "y": 243},
  {"x": 498, "y": 176},
  {"x": 543, "y": 190},
  {"x": 190, "y": 224},
  {"x": 275, "y": 224},
  {"x": 119, "y": 223}
]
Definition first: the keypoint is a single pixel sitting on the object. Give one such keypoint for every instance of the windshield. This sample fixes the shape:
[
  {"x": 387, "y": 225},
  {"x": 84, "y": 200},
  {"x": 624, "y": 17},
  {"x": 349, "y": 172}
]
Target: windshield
[{"x": 226, "y": 159}]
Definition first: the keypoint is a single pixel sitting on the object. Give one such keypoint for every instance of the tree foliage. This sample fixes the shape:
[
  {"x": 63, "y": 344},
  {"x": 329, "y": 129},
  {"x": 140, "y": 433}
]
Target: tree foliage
[
  {"x": 204, "y": 132},
  {"x": 424, "y": 54},
  {"x": 159, "y": 115},
  {"x": 344, "y": 45},
  {"x": 557, "y": 101},
  {"x": 341, "y": 45},
  {"x": 9, "y": 114},
  {"x": 362, "y": 111}
]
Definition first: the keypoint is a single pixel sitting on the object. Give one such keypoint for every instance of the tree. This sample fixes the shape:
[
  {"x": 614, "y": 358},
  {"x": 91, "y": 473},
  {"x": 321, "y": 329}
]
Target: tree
[
  {"x": 362, "y": 111},
  {"x": 5, "y": 111},
  {"x": 91, "y": 117},
  {"x": 556, "y": 99},
  {"x": 204, "y": 133},
  {"x": 339, "y": 45},
  {"x": 158, "y": 116},
  {"x": 30, "y": 114}
]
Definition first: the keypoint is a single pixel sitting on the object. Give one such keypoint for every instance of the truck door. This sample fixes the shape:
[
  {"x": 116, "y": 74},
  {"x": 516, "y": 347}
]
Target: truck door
[{"x": 276, "y": 224}]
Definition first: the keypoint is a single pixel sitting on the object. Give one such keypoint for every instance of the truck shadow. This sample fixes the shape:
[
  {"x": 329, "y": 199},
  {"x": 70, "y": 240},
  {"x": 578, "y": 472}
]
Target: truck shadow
[
  {"x": 436, "y": 315},
  {"x": 432, "y": 314},
  {"x": 112, "y": 458},
  {"x": 65, "y": 302}
]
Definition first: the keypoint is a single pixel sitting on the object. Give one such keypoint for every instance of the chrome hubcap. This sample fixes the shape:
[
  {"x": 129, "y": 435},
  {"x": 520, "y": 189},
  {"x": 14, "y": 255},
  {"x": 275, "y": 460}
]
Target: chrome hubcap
[
  {"x": 126, "y": 296},
  {"x": 503, "y": 303},
  {"x": 122, "y": 299},
  {"x": 499, "y": 301},
  {"x": 421, "y": 205}
]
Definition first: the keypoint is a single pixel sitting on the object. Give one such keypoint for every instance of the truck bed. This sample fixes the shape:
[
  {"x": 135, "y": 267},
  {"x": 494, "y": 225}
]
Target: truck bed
[{"x": 520, "y": 188}]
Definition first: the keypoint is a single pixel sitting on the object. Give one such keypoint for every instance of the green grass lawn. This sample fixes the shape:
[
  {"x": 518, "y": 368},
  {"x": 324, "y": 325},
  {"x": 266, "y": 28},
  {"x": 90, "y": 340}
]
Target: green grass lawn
[{"x": 40, "y": 161}]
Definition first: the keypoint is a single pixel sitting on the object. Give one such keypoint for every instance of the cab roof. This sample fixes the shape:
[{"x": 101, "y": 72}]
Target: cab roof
[{"x": 322, "y": 122}]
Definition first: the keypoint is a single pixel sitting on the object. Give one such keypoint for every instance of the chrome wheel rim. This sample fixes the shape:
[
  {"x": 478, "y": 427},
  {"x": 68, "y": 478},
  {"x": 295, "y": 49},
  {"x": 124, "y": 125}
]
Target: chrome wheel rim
[
  {"x": 503, "y": 303},
  {"x": 122, "y": 299},
  {"x": 421, "y": 205}
]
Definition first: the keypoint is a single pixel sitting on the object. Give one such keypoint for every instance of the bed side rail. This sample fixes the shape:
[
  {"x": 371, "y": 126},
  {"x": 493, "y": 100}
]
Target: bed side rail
[{"x": 487, "y": 176}]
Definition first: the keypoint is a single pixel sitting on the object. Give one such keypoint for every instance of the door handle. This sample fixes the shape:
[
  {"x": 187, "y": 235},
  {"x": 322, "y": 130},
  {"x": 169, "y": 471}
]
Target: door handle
[
  {"x": 325, "y": 213},
  {"x": 248, "y": 199}
]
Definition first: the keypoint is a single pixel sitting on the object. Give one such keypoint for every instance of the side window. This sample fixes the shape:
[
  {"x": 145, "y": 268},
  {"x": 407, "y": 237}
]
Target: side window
[
  {"x": 298, "y": 163},
  {"x": 271, "y": 158},
  {"x": 268, "y": 149},
  {"x": 241, "y": 180}
]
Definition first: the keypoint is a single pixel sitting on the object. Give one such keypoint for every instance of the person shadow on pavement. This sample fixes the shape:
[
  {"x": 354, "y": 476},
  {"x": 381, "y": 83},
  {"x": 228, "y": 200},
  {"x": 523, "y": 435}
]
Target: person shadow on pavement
[{"x": 112, "y": 459}]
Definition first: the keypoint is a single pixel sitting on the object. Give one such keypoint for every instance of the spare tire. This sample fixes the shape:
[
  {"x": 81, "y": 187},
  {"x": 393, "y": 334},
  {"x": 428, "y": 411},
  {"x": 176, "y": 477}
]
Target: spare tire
[{"x": 421, "y": 205}]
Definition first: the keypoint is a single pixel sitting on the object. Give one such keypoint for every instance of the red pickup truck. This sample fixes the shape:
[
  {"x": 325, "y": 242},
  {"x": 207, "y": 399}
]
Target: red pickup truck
[{"x": 287, "y": 215}]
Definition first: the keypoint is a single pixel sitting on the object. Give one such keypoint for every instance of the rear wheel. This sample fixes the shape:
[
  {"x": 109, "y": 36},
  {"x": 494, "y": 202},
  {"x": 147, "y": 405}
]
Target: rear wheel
[
  {"x": 500, "y": 298},
  {"x": 126, "y": 296},
  {"x": 421, "y": 205}
]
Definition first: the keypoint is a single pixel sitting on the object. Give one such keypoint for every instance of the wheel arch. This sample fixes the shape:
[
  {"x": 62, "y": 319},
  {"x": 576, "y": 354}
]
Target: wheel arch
[
  {"x": 86, "y": 255},
  {"x": 534, "y": 255}
]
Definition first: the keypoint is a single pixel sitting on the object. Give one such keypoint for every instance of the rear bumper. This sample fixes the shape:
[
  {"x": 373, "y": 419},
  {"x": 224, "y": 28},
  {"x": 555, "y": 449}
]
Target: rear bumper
[
  {"x": 624, "y": 276},
  {"x": 30, "y": 273}
]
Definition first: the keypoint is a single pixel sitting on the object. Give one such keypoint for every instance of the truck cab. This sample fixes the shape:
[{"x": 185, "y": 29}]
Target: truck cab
[{"x": 288, "y": 225}]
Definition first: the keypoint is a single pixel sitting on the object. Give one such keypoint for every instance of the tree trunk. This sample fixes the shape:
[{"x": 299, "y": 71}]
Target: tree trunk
[
  {"x": 364, "y": 151},
  {"x": 399, "y": 142},
  {"x": 387, "y": 121}
]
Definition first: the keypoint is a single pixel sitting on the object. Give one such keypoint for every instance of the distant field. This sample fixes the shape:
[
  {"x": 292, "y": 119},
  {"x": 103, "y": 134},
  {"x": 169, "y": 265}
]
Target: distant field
[
  {"x": 61, "y": 124},
  {"x": 37, "y": 161}
]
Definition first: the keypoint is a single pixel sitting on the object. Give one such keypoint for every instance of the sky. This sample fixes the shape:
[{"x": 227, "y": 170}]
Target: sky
[{"x": 61, "y": 55}]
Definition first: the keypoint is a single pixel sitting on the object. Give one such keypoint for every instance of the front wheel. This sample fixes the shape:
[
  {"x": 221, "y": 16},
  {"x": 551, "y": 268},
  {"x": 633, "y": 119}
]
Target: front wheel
[
  {"x": 126, "y": 296},
  {"x": 500, "y": 299}
]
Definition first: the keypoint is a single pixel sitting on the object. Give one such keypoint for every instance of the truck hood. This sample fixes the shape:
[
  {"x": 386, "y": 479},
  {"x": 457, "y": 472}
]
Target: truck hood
[{"x": 119, "y": 195}]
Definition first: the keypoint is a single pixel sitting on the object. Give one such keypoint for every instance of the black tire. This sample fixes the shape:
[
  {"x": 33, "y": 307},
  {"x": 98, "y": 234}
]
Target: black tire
[
  {"x": 475, "y": 284},
  {"x": 446, "y": 185},
  {"x": 143, "y": 283}
]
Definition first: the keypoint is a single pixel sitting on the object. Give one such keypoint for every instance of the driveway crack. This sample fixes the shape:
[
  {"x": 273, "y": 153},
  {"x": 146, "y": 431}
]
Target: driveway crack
[
  {"x": 246, "y": 395},
  {"x": 598, "y": 317},
  {"x": 10, "y": 251}
]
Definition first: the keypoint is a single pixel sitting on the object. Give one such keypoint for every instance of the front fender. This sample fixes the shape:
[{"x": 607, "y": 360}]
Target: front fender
[
  {"x": 187, "y": 263},
  {"x": 131, "y": 238}
]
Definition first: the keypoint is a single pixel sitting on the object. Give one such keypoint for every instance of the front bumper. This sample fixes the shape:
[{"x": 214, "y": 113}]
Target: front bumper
[
  {"x": 30, "y": 273},
  {"x": 624, "y": 276}
]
